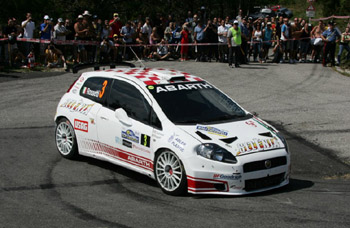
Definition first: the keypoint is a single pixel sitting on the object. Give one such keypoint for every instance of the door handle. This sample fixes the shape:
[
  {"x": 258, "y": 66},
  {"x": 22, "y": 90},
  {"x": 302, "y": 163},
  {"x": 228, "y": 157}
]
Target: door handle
[{"x": 103, "y": 118}]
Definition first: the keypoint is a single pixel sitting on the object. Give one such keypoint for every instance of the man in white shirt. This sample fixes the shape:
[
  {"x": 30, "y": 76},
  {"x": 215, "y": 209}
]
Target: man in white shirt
[
  {"x": 147, "y": 29},
  {"x": 222, "y": 37},
  {"x": 60, "y": 31},
  {"x": 28, "y": 26}
]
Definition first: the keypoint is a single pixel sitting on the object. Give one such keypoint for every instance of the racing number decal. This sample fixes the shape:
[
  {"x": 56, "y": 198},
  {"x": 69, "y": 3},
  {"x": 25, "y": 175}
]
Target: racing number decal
[
  {"x": 102, "y": 92},
  {"x": 145, "y": 140}
]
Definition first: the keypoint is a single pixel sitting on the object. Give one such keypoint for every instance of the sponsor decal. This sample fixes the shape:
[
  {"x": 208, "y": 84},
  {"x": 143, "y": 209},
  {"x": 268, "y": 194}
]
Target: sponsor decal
[
  {"x": 234, "y": 176},
  {"x": 258, "y": 145},
  {"x": 178, "y": 87},
  {"x": 139, "y": 148},
  {"x": 81, "y": 79},
  {"x": 264, "y": 124},
  {"x": 127, "y": 143},
  {"x": 178, "y": 143},
  {"x": 236, "y": 187},
  {"x": 130, "y": 135},
  {"x": 74, "y": 91},
  {"x": 92, "y": 93},
  {"x": 92, "y": 120},
  {"x": 75, "y": 106},
  {"x": 150, "y": 87},
  {"x": 251, "y": 123},
  {"x": 139, "y": 161},
  {"x": 145, "y": 140},
  {"x": 81, "y": 125},
  {"x": 212, "y": 130}
]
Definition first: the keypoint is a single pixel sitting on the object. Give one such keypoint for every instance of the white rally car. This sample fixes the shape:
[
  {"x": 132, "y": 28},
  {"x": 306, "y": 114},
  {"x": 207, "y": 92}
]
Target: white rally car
[{"x": 173, "y": 127}]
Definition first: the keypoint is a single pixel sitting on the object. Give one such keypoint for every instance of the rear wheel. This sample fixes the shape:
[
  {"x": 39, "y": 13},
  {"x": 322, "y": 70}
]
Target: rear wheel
[
  {"x": 66, "y": 141},
  {"x": 170, "y": 173}
]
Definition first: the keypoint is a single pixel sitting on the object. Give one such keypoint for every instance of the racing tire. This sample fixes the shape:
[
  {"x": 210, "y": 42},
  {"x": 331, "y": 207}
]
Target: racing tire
[
  {"x": 170, "y": 173},
  {"x": 66, "y": 141}
]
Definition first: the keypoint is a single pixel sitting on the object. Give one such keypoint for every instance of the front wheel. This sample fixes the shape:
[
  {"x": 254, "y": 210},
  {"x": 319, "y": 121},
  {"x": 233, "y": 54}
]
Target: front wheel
[
  {"x": 66, "y": 141},
  {"x": 170, "y": 173}
]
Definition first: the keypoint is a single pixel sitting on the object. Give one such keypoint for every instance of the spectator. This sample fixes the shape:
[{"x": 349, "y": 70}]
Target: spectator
[
  {"x": 278, "y": 52},
  {"x": 46, "y": 29},
  {"x": 162, "y": 51},
  {"x": 147, "y": 29},
  {"x": 184, "y": 40},
  {"x": 212, "y": 37},
  {"x": 70, "y": 30},
  {"x": 246, "y": 36},
  {"x": 222, "y": 38},
  {"x": 127, "y": 33},
  {"x": 284, "y": 37},
  {"x": 115, "y": 26},
  {"x": 199, "y": 31},
  {"x": 28, "y": 26},
  {"x": 139, "y": 39},
  {"x": 189, "y": 18},
  {"x": 304, "y": 42},
  {"x": 257, "y": 40},
  {"x": 316, "y": 41},
  {"x": 234, "y": 41},
  {"x": 10, "y": 32},
  {"x": 60, "y": 30},
  {"x": 97, "y": 26},
  {"x": 154, "y": 38},
  {"x": 105, "y": 30},
  {"x": 344, "y": 44},
  {"x": 267, "y": 34},
  {"x": 295, "y": 35},
  {"x": 108, "y": 51},
  {"x": 168, "y": 33},
  {"x": 329, "y": 37},
  {"x": 54, "y": 57},
  {"x": 80, "y": 34},
  {"x": 227, "y": 22}
]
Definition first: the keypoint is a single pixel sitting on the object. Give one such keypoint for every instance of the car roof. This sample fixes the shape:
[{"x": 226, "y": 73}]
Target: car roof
[{"x": 147, "y": 76}]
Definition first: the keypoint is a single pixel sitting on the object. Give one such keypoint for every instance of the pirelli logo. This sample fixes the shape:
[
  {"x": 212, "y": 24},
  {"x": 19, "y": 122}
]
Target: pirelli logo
[{"x": 81, "y": 125}]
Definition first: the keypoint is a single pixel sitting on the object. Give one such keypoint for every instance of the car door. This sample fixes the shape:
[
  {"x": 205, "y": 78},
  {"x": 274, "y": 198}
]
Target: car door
[
  {"x": 92, "y": 98},
  {"x": 124, "y": 128}
]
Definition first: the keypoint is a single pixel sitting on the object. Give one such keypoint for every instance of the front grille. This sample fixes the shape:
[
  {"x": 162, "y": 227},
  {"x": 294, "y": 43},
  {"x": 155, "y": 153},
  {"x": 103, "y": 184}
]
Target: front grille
[
  {"x": 265, "y": 182},
  {"x": 260, "y": 165}
]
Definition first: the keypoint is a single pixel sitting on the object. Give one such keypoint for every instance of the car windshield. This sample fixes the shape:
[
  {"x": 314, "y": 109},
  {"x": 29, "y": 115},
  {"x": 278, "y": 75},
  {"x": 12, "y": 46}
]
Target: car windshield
[{"x": 195, "y": 102}]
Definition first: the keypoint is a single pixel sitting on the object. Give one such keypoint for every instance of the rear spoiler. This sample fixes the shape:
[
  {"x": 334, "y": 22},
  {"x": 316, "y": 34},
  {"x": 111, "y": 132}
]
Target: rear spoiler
[{"x": 75, "y": 68}]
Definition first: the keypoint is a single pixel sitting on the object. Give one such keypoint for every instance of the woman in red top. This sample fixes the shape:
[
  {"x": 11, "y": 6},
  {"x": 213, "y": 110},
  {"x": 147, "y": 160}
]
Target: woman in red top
[{"x": 184, "y": 40}]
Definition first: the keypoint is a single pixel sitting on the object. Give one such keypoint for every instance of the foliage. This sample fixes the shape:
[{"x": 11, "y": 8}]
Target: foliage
[{"x": 139, "y": 8}]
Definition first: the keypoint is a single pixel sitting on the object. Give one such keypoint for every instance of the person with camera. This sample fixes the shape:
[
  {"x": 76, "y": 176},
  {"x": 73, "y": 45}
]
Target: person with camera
[
  {"x": 28, "y": 26},
  {"x": 46, "y": 29},
  {"x": 54, "y": 57},
  {"x": 10, "y": 32}
]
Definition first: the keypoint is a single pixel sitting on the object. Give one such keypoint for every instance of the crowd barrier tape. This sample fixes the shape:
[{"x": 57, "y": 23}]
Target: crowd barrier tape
[{"x": 96, "y": 43}]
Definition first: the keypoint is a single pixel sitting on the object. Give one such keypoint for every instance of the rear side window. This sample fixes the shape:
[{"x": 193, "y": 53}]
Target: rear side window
[{"x": 95, "y": 88}]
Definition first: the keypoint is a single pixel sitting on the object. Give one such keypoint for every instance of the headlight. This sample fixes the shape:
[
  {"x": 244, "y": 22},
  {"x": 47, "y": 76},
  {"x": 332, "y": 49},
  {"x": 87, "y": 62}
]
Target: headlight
[
  {"x": 215, "y": 152},
  {"x": 281, "y": 137}
]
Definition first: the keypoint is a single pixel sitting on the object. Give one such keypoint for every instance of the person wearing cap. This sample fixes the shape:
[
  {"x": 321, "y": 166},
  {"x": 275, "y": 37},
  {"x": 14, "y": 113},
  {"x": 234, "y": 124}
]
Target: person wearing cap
[
  {"x": 46, "y": 28},
  {"x": 115, "y": 25},
  {"x": 330, "y": 38},
  {"x": 234, "y": 41},
  {"x": 60, "y": 30},
  {"x": 267, "y": 37}
]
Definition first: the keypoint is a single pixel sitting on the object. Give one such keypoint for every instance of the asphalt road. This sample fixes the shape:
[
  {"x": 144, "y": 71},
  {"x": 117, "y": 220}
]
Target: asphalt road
[{"x": 308, "y": 103}]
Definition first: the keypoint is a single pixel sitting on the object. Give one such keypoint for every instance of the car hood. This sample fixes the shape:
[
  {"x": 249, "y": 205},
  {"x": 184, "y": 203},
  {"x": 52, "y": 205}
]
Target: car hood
[{"x": 238, "y": 137}]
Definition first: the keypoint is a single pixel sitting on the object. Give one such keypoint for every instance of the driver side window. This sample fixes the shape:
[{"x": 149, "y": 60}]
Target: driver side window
[{"x": 126, "y": 96}]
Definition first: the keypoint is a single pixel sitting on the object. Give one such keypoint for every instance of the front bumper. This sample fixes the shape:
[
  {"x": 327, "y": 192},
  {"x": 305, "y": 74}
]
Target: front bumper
[{"x": 256, "y": 172}]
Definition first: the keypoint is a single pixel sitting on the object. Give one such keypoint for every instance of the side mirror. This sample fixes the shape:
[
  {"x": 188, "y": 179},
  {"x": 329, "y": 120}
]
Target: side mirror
[{"x": 121, "y": 115}]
